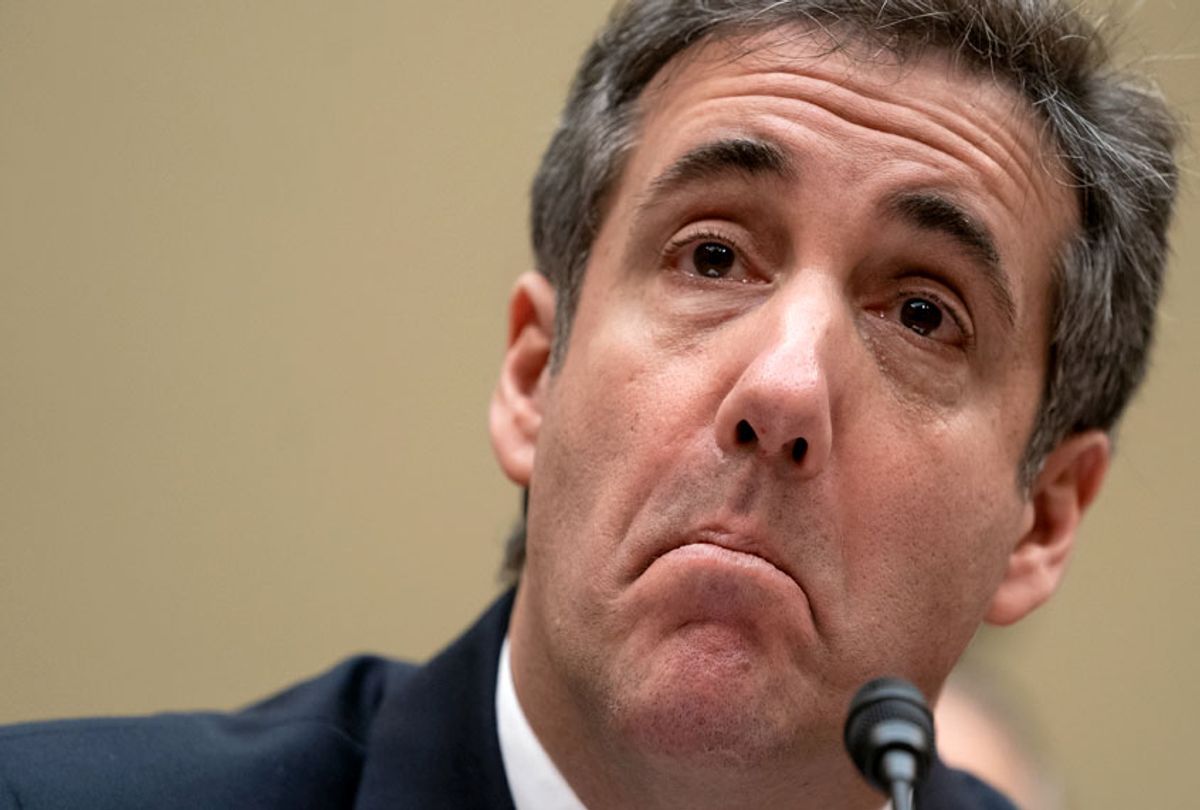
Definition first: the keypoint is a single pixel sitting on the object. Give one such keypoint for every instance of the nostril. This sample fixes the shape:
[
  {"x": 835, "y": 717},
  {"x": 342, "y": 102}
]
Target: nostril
[
  {"x": 799, "y": 449},
  {"x": 745, "y": 433}
]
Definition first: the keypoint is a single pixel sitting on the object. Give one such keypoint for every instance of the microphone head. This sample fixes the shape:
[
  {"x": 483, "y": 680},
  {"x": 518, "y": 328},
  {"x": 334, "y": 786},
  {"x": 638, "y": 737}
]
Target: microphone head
[{"x": 886, "y": 715}]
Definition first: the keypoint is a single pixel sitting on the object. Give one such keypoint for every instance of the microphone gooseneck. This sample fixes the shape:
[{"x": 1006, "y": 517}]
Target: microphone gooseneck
[{"x": 889, "y": 735}]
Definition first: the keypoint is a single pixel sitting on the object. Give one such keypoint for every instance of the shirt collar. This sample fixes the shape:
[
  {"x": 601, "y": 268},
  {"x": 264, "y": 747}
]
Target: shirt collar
[{"x": 535, "y": 782}]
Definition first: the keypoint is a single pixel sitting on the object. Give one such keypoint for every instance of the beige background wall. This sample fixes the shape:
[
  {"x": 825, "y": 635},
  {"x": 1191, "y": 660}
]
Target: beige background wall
[{"x": 253, "y": 258}]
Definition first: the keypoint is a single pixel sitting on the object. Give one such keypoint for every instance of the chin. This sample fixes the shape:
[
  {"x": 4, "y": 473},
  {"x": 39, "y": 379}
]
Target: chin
[{"x": 709, "y": 698}]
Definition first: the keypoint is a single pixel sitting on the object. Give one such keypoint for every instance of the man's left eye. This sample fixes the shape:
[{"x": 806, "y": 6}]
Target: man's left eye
[
  {"x": 929, "y": 316},
  {"x": 921, "y": 315},
  {"x": 713, "y": 259}
]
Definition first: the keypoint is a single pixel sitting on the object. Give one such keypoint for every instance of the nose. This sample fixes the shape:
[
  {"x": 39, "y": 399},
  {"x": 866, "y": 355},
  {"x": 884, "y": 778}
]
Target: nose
[{"x": 780, "y": 406}]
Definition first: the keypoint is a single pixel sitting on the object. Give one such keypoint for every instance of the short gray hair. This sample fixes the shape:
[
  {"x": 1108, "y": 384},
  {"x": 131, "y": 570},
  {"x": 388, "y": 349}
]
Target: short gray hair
[{"x": 1113, "y": 132}]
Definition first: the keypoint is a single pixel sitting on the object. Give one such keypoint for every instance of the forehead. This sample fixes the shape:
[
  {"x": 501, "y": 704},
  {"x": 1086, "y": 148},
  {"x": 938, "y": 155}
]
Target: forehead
[{"x": 879, "y": 120}]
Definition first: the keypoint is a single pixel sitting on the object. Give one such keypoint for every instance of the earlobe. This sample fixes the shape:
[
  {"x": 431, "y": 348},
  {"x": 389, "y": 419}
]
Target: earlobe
[
  {"x": 1070, "y": 479},
  {"x": 515, "y": 416}
]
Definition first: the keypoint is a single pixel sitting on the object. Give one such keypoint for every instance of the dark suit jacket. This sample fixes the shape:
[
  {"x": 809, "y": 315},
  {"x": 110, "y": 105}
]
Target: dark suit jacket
[{"x": 370, "y": 734}]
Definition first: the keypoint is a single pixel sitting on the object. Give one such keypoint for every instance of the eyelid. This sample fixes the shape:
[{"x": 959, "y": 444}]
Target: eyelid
[
  {"x": 933, "y": 283},
  {"x": 702, "y": 232}
]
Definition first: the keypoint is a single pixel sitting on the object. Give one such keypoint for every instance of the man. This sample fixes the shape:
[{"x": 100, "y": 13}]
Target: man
[{"x": 837, "y": 306}]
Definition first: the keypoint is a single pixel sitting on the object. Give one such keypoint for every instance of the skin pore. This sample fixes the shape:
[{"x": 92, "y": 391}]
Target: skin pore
[{"x": 780, "y": 455}]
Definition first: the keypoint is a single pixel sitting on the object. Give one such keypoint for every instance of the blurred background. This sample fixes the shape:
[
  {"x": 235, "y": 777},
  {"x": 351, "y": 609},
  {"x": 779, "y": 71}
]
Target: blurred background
[{"x": 253, "y": 267}]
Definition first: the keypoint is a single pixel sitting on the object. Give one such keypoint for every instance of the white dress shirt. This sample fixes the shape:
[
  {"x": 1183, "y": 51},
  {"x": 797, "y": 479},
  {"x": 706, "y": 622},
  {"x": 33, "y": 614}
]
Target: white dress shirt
[{"x": 533, "y": 778}]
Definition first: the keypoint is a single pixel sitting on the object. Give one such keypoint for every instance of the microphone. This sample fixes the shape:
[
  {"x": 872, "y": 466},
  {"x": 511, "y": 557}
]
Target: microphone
[{"x": 889, "y": 735}]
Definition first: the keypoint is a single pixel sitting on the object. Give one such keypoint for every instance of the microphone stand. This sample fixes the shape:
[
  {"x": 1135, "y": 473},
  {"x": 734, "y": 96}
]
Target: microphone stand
[{"x": 889, "y": 735}]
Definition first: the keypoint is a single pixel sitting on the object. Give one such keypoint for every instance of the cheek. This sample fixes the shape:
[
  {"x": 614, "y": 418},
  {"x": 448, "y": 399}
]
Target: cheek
[
  {"x": 920, "y": 380},
  {"x": 631, "y": 386},
  {"x": 928, "y": 552},
  {"x": 615, "y": 423}
]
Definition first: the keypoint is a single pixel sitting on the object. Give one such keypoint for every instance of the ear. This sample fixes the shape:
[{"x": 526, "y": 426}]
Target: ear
[
  {"x": 515, "y": 415},
  {"x": 1070, "y": 478}
]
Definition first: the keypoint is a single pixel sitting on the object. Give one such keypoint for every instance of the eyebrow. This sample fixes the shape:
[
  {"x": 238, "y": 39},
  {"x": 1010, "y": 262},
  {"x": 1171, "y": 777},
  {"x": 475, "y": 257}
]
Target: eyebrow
[
  {"x": 712, "y": 160},
  {"x": 930, "y": 211}
]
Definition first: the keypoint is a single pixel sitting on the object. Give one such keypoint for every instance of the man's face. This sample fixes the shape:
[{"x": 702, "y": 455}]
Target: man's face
[{"x": 780, "y": 456}]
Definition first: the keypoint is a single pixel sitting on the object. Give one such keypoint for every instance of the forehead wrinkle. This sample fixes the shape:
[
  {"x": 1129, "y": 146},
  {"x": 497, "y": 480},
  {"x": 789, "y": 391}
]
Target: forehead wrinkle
[
  {"x": 961, "y": 136},
  {"x": 1021, "y": 151},
  {"x": 903, "y": 121}
]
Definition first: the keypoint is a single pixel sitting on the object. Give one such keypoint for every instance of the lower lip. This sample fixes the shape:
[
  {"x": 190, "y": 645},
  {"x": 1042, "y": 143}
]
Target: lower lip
[
  {"x": 711, "y": 551},
  {"x": 703, "y": 582},
  {"x": 721, "y": 561}
]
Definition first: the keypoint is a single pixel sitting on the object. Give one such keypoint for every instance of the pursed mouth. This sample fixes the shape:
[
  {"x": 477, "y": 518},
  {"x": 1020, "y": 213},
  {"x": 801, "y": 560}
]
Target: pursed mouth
[
  {"x": 728, "y": 547},
  {"x": 714, "y": 551},
  {"x": 729, "y": 572}
]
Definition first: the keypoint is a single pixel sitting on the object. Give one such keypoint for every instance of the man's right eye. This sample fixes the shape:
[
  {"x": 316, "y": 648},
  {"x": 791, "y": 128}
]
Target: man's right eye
[
  {"x": 713, "y": 259},
  {"x": 710, "y": 252}
]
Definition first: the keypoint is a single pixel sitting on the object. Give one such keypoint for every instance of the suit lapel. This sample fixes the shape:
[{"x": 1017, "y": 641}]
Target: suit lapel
[{"x": 434, "y": 742}]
